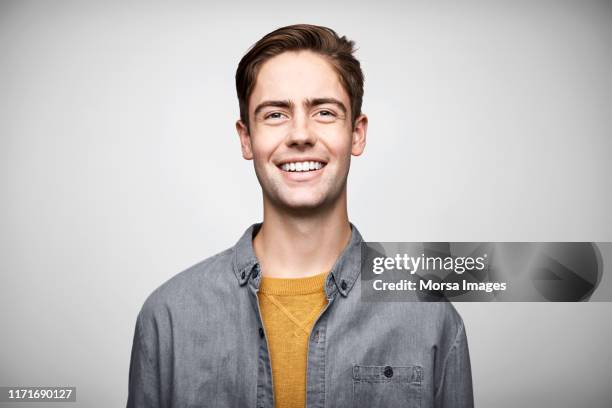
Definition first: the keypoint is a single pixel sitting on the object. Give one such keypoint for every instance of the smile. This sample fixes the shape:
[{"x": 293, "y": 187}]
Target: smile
[{"x": 304, "y": 166}]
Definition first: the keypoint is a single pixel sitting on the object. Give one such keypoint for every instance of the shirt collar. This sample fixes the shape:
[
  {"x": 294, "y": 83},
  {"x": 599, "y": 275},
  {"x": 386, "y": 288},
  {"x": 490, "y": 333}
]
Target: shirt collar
[{"x": 342, "y": 277}]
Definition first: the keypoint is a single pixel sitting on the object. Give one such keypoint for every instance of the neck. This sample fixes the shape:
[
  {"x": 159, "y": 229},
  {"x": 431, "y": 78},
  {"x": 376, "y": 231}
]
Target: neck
[{"x": 297, "y": 245}]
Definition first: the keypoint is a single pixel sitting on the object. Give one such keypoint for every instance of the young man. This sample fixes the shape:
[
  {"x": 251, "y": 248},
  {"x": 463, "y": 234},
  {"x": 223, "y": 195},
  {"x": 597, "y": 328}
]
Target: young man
[{"x": 277, "y": 320}]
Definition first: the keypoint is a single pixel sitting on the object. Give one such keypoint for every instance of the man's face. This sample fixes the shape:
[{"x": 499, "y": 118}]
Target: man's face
[{"x": 301, "y": 137}]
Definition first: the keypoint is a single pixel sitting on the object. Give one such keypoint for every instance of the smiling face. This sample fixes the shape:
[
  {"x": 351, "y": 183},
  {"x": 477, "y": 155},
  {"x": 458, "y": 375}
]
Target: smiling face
[{"x": 301, "y": 137}]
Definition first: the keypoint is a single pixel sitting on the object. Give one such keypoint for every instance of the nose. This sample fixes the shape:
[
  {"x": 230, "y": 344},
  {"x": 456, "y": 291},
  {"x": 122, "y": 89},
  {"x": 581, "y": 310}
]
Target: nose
[{"x": 300, "y": 134}]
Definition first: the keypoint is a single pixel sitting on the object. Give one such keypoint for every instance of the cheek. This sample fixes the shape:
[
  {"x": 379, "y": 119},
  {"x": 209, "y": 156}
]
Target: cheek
[
  {"x": 336, "y": 137},
  {"x": 265, "y": 140},
  {"x": 263, "y": 147},
  {"x": 339, "y": 146}
]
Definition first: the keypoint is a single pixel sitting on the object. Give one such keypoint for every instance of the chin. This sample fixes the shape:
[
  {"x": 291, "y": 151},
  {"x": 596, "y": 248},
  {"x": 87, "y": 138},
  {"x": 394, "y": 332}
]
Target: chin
[
  {"x": 302, "y": 205},
  {"x": 304, "y": 199},
  {"x": 305, "y": 202},
  {"x": 295, "y": 201}
]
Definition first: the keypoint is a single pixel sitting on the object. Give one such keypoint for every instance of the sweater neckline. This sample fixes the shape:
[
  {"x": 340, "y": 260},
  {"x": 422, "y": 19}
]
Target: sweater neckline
[{"x": 293, "y": 286}]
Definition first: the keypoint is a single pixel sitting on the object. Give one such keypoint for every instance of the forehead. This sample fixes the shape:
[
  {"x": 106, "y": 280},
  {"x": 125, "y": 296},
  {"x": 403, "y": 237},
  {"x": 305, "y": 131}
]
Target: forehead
[{"x": 297, "y": 76}]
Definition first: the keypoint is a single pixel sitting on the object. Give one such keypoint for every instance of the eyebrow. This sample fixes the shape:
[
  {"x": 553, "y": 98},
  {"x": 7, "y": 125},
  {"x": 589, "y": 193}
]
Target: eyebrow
[
  {"x": 287, "y": 104},
  {"x": 322, "y": 101},
  {"x": 277, "y": 104}
]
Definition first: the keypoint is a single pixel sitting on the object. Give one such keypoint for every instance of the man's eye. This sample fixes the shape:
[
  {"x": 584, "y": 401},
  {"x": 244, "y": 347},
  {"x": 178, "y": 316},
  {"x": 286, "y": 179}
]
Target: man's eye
[
  {"x": 326, "y": 113},
  {"x": 274, "y": 115}
]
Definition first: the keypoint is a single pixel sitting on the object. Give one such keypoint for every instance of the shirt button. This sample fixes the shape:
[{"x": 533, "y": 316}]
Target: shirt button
[
  {"x": 261, "y": 332},
  {"x": 242, "y": 275},
  {"x": 388, "y": 372},
  {"x": 343, "y": 284}
]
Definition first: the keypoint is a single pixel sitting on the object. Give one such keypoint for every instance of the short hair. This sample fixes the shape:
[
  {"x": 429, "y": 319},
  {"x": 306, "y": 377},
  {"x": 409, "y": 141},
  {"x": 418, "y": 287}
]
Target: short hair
[{"x": 321, "y": 40}]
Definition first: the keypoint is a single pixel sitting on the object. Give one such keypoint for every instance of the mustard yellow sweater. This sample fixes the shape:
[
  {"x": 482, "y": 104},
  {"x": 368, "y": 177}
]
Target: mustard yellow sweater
[{"x": 289, "y": 308}]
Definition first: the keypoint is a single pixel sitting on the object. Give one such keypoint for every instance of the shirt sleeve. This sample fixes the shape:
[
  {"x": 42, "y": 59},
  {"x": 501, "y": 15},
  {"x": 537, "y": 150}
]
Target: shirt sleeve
[
  {"x": 455, "y": 388},
  {"x": 144, "y": 385}
]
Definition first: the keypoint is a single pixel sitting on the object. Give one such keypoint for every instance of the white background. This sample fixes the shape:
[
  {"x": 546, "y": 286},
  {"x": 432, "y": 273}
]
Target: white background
[{"x": 120, "y": 167}]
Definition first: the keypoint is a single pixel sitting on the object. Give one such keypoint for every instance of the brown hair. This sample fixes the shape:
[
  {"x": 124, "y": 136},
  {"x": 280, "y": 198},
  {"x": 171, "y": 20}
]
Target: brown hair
[{"x": 322, "y": 40}]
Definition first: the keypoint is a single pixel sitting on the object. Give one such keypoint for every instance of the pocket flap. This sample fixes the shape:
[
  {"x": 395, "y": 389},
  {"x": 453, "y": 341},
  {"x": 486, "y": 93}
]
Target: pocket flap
[{"x": 388, "y": 373}]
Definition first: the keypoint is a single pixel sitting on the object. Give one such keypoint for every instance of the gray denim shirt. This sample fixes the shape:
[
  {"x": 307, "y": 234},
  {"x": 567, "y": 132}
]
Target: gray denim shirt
[{"x": 199, "y": 342}]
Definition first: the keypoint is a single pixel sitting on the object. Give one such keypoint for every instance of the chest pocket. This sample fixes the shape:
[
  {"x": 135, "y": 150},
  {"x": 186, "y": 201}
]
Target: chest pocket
[{"x": 387, "y": 386}]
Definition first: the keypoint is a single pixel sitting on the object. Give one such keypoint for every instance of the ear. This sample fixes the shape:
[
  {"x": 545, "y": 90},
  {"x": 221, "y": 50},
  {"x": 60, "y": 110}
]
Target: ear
[
  {"x": 359, "y": 135},
  {"x": 245, "y": 140}
]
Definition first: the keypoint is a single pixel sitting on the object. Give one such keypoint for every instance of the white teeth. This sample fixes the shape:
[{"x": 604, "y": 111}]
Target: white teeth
[{"x": 302, "y": 166}]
